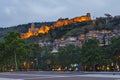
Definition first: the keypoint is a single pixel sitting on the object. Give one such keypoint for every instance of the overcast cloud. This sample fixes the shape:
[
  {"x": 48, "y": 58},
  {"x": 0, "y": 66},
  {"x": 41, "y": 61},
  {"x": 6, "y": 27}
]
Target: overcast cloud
[{"x": 15, "y": 12}]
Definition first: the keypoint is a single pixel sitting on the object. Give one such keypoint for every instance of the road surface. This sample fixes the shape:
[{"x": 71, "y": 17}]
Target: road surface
[{"x": 49, "y": 75}]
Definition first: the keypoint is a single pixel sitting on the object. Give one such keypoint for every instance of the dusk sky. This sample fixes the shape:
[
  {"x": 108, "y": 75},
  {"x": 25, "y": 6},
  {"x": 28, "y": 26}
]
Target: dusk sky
[{"x": 15, "y": 12}]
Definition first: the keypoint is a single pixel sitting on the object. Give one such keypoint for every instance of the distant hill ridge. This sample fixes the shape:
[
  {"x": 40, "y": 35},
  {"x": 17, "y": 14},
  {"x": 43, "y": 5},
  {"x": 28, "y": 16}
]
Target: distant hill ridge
[{"x": 65, "y": 30}]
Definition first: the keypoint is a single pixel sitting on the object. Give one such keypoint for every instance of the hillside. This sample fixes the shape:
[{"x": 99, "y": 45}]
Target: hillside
[
  {"x": 72, "y": 29},
  {"x": 21, "y": 28}
]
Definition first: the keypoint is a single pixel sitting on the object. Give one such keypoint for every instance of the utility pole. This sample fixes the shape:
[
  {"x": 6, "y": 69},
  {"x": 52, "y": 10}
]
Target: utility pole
[{"x": 106, "y": 23}]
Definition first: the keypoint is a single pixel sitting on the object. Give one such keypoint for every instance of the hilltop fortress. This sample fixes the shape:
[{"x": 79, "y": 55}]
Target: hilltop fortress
[{"x": 60, "y": 23}]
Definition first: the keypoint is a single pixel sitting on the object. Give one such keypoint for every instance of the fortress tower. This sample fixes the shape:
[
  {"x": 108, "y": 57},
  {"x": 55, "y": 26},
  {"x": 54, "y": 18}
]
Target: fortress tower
[{"x": 88, "y": 15}]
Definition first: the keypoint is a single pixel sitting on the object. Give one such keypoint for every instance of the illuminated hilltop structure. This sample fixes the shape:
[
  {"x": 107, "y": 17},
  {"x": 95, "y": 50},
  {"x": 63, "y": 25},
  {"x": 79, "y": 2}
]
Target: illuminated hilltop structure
[{"x": 60, "y": 23}]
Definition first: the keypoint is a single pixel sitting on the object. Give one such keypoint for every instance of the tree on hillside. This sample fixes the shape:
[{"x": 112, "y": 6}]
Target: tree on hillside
[
  {"x": 91, "y": 53},
  {"x": 68, "y": 55},
  {"x": 15, "y": 48},
  {"x": 2, "y": 54},
  {"x": 114, "y": 50}
]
